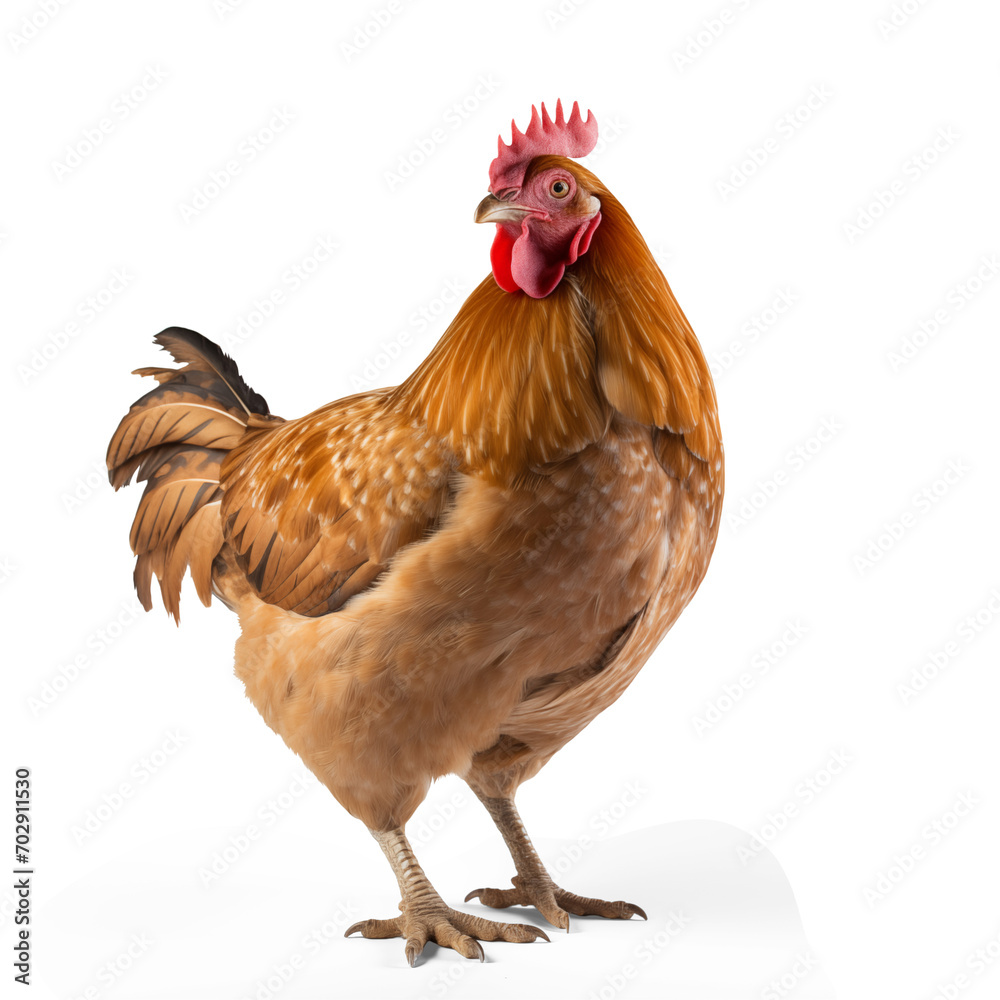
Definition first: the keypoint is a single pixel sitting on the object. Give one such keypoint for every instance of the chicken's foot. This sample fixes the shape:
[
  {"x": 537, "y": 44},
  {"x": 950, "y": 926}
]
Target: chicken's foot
[
  {"x": 426, "y": 917},
  {"x": 533, "y": 886}
]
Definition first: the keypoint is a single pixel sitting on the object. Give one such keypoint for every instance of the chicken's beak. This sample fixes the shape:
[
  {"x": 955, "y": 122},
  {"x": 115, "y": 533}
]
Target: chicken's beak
[{"x": 492, "y": 209}]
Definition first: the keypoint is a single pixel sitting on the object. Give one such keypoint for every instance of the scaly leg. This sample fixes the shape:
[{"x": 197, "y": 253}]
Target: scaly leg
[
  {"x": 425, "y": 916},
  {"x": 533, "y": 886}
]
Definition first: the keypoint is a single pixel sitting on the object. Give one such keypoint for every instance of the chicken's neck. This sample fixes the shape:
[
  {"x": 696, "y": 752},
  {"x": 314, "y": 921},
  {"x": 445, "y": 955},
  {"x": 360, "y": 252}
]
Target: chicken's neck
[
  {"x": 512, "y": 383},
  {"x": 650, "y": 365},
  {"x": 516, "y": 382}
]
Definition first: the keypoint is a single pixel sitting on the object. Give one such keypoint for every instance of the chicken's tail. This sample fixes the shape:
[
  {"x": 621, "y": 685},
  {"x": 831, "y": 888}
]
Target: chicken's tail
[{"x": 176, "y": 437}]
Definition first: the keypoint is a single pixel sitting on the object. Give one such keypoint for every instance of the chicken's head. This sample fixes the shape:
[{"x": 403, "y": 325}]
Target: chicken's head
[{"x": 539, "y": 199}]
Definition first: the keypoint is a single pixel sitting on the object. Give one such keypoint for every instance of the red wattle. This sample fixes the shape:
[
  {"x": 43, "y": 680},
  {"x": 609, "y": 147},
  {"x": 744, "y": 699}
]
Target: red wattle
[
  {"x": 522, "y": 264},
  {"x": 500, "y": 258},
  {"x": 581, "y": 242}
]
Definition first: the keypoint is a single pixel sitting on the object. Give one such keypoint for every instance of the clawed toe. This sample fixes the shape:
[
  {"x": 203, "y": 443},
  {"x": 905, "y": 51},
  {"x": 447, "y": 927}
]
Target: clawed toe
[
  {"x": 584, "y": 906},
  {"x": 498, "y": 899},
  {"x": 375, "y": 928}
]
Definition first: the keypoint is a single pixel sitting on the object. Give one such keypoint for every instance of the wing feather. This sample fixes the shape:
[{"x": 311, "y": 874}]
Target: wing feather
[{"x": 316, "y": 508}]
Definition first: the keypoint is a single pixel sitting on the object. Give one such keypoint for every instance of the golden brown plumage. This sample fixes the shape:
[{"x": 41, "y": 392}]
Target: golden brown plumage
[{"x": 458, "y": 574}]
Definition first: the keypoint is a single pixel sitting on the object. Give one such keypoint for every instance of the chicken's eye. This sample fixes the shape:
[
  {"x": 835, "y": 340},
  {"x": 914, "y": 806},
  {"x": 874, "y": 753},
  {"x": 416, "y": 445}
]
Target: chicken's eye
[{"x": 559, "y": 189}]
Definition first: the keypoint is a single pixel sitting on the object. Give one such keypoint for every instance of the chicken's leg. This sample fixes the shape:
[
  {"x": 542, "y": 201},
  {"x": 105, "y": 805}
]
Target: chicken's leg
[
  {"x": 425, "y": 916},
  {"x": 533, "y": 886}
]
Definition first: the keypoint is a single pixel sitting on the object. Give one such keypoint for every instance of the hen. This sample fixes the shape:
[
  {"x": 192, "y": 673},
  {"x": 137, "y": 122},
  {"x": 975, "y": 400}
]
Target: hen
[{"x": 455, "y": 575}]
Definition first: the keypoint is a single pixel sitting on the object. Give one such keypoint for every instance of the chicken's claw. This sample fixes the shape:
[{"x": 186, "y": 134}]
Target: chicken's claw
[
  {"x": 447, "y": 927},
  {"x": 554, "y": 903}
]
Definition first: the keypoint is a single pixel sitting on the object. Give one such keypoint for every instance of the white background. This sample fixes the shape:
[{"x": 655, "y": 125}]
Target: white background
[{"x": 158, "y": 710}]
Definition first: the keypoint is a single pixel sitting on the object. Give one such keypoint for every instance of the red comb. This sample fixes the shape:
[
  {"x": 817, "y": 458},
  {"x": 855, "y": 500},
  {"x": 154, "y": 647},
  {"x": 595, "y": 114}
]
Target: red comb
[{"x": 543, "y": 136}]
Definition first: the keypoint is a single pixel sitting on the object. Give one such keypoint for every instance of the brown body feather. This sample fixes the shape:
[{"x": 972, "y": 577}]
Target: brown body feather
[{"x": 460, "y": 573}]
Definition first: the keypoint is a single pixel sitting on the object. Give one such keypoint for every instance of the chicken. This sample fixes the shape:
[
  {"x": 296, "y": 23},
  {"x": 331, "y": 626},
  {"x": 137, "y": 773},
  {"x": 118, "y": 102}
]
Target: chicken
[{"x": 455, "y": 575}]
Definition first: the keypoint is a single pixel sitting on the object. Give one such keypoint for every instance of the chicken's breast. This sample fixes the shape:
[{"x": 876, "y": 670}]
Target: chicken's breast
[{"x": 496, "y": 639}]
